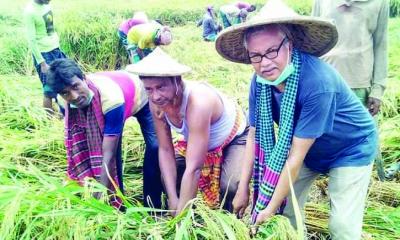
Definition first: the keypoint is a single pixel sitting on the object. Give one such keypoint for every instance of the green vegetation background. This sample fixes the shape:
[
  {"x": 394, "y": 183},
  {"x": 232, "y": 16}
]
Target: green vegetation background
[{"x": 30, "y": 144}]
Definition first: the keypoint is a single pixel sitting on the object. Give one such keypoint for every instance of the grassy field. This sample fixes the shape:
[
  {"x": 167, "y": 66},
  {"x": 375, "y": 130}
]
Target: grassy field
[{"x": 36, "y": 202}]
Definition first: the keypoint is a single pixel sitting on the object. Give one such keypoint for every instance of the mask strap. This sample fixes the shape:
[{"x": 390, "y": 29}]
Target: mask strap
[
  {"x": 288, "y": 57},
  {"x": 176, "y": 86}
]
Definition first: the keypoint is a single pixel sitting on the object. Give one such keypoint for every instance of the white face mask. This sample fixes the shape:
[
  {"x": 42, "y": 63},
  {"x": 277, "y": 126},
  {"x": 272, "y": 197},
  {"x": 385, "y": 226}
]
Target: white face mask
[
  {"x": 287, "y": 71},
  {"x": 89, "y": 100}
]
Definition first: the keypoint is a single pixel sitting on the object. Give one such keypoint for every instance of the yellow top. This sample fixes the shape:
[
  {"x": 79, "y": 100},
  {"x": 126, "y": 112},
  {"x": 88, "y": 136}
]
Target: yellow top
[{"x": 143, "y": 35}]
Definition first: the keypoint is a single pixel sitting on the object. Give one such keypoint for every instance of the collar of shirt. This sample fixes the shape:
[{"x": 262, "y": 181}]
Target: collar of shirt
[{"x": 348, "y": 3}]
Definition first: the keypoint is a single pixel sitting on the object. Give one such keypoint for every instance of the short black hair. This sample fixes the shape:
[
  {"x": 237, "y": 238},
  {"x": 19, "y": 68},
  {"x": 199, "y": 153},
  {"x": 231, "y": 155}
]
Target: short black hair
[
  {"x": 61, "y": 73},
  {"x": 159, "y": 21},
  {"x": 252, "y": 8}
]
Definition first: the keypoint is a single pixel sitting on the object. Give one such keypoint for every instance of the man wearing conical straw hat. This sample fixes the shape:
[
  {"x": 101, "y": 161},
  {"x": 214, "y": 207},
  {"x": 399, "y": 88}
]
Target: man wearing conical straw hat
[
  {"x": 213, "y": 127},
  {"x": 323, "y": 127}
]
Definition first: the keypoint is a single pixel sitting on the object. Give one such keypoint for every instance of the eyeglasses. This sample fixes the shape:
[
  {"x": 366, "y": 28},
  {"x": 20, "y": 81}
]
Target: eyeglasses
[{"x": 271, "y": 54}]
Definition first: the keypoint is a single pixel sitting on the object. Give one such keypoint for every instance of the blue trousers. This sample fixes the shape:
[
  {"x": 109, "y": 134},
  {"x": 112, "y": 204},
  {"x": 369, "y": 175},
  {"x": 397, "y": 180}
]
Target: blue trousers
[
  {"x": 152, "y": 185},
  {"x": 123, "y": 38}
]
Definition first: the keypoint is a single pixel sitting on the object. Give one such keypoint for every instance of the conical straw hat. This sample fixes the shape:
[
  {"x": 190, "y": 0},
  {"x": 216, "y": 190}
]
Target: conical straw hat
[
  {"x": 313, "y": 35},
  {"x": 158, "y": 64}
]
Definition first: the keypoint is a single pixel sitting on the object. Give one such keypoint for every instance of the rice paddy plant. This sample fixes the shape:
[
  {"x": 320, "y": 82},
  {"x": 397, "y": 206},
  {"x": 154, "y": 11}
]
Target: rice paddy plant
[
  {"x": 207, "y": 66},
  {"x": 48, "y": 150},
  {"x": 25, "y": 117},
  {"x": 132, "y": 144},
  {"x": 43, "y": 148},
  {"x": 277, "y": 228},
  {"x": 390, "y": 139},
  {"x": 34, "y": 203},
  {"x": 302, "y": 7},
  {"x": 169, "y": 16},
  {"x": 51, "y": 209},
  {"x": 380, "y": 221},
  {"x": 200, "y": 222},
  {"x": 394, "y": 47},
  {"x": 65, "y": 213},
  {"x": 174, "y": 12},
  {"x": 17, "y": 110},
  {"x": 387, "y": 193},
  {"x": 91, "y": 38},
  {"x": 13, "y": 90},
  {"x": 316, "y": 218},
  {"x": 391, "y": 100},
  {"x": 14, "y": 53},
  {"x": 394, "y": 9},
  {"x": 40, "y": 141},
  {"x": 13, "y": 44},
  {"x": 90, "y": 34}
]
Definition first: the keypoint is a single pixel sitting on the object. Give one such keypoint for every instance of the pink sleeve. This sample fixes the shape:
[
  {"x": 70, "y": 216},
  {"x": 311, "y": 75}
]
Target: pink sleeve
[
  {"x": 127, "y": 86},
  {"x": 242, "y": 5},
  {"x": 134, "y": 22}
]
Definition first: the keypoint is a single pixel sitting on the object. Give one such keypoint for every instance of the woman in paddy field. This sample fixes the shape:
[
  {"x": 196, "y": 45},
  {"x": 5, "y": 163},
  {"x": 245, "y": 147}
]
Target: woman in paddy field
[
  {"x": 214, "y": 130},
  {"x": 209, "y": 24},
  {"x": 144, "y": 38},
  {"x": 126, "y": 25}
]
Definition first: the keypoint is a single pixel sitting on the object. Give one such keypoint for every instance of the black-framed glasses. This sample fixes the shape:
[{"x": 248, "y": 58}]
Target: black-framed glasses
[{"x": 270, "y": 54}]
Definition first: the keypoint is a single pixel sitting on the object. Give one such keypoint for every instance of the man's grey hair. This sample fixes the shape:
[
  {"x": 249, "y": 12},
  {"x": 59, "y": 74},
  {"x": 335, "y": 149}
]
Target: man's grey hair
[{"x": 282, "y": 28}]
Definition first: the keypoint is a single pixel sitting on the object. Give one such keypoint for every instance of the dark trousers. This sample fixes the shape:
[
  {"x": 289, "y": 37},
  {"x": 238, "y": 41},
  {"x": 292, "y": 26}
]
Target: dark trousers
[
  {"x": 123, "y": 38},
  {"x": 152, "y": 186}
]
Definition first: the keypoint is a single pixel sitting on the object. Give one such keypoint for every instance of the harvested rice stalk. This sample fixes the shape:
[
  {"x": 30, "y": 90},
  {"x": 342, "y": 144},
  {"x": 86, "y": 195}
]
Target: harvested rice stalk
[
  {"x": 317, "y": 218},
  {"x": 200, "y": 222},
  {"x": 277, "y": 228},
  {"x": 380, "y": 221},
  {"x": 387, "y": 193}
]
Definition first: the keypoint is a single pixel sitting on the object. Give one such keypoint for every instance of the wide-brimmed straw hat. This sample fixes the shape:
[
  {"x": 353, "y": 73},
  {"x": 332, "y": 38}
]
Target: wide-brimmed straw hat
[
  {"x": 313, "y": 35},
  {"x": 158, "y": 64}
]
